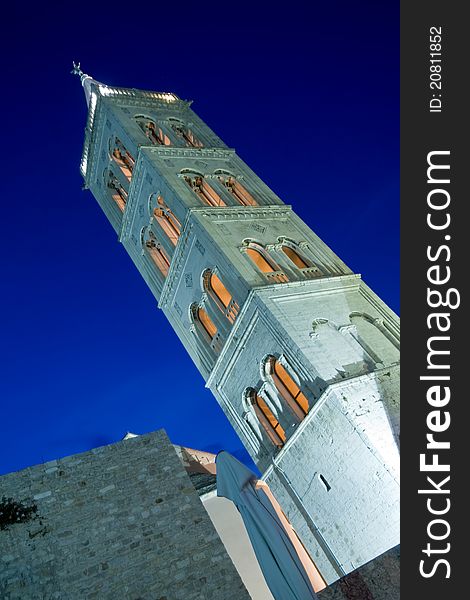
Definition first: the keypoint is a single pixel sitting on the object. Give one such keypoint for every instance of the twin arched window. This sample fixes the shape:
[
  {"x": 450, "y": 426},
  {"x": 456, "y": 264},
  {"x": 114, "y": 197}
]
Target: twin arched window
[
  {"x": 157, "y": 135},
  {"x": 123, "y": 159},
  {"x": 167, "y": 221},
  {"x": 154, "y": 133},
  {"x": 264, "y": 261},
  {"x": 285, "y": 382},
  {"x": 287, "y": 388},
  {"x": 211, "y": 330},
  {"x": 202, "y": 189},
  {"x": 206, "y": 192},
  {"x": 266, "y": 418}
]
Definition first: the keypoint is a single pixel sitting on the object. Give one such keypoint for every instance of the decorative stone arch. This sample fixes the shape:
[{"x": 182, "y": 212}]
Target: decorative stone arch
[
  {"x": 155, "y": 251},
  {"x": 316, "y": 324},
  {"x": 165, "y": 218},
  {"x": 197, "y": 182},
  {"x": 204, "y": 328},
  {"x": 253, "y": 430},
  {"x": 263, "y": 418},
  {"x": 342, "y": 351},
  {"x": 184, "y": 131},
  {"x": 297, "y": 257},
  {"x": 212, "y": 284},
  {"x": 248, "y": 414},
  {"x": 153, "y": 130},
  {"x": 189, "y": 171},
  {"x": 286, "y": 383},
  {"x": 116, "y": 190},
  {"x": 224, "y": 173},
  {"x": 259, "y": 256},
  {"x": 233, "y": 185},
  {"x": 202, "y": 345},
  {"x": 374, "y": 336},
  {"x": 121, "y": 157}
]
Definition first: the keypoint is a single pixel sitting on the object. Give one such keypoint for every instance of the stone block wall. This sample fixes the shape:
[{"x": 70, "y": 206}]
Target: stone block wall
[
  {"x": 377, "y": 580},
  {"x": 119, "y": 521}
]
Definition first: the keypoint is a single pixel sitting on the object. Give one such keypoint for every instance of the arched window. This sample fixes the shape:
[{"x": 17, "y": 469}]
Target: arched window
[
  {"x": 223, "y": 298},
  {"x": 202, "y": 189},
  {"x": 265, "y": 263},
  {"x": 266, "y": 418},
  {"x": 122, "y": 158},
  {"x": 118, "y": 193},
  {"x": 167, "y": 221},
  {"x": 237, "y": 190},
  {"x": 295, "y": 256},
  {"x": 184, "y": 133},
  {"x": 206, "y": 322},
  {"x": 158, "y": 255},
  {"x": 153, "y": 132},
  {"x": 287, "y": 387}
]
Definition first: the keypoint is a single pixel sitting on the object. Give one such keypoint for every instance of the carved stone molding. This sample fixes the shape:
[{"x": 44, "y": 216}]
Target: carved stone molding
[
  {"x": 244, "y": 213},
  {"x": 198, "y": 153}
]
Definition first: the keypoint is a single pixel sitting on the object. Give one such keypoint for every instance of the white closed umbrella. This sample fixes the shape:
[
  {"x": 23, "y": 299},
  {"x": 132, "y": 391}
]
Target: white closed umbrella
[{"x": 288, "y": 570}]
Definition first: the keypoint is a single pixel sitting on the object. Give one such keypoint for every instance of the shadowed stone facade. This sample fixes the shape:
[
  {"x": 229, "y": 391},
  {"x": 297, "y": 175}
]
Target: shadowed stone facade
[
  {"x": 119, "y": 521},
  {"x": 377, "y": 580}
]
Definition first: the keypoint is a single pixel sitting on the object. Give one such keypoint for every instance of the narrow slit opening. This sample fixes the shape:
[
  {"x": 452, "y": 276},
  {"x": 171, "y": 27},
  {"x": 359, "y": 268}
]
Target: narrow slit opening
[{"x": 325, "y": 483}]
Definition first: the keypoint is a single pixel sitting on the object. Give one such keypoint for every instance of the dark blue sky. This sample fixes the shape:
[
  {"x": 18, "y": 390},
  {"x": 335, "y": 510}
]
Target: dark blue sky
[{"x": 308, "y": 94}]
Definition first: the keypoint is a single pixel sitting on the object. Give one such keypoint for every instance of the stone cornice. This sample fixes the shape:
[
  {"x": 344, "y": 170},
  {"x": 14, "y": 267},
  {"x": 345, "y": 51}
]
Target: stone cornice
[
  {"x": 174, "y": 152},
  {"x": 141, "y": 102},
  {"x": 243, "y": 212},
  {"x": 128, "y": 96}
]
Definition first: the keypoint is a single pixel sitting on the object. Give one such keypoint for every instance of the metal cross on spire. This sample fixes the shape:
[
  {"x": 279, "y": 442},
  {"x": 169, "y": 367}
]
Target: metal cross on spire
[
  {"x": 85, "y": 79},
  {"x": 78, "y": 71}
]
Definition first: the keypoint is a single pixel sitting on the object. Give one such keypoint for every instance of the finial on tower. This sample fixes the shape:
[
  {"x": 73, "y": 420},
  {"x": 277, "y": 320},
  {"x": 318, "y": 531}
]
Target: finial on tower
[
  {"x": 85, "y": 79},
  {"x": 78, "y": 71}
]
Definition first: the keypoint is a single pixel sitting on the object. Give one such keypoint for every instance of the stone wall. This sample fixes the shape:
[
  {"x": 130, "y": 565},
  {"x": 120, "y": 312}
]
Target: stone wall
[
  {"x": 377, "y": 580},
  {"x": 119, "y": 521}
]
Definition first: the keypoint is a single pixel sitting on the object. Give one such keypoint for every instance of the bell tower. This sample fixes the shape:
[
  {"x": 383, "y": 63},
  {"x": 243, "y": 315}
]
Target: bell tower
[{"x": 301, "y": 355}]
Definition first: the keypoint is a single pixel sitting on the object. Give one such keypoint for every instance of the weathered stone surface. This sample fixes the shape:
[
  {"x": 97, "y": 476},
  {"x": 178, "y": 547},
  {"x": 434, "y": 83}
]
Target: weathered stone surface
[
  {"x": 121, "y": 521},
  {"x": 377, "y": 580}
]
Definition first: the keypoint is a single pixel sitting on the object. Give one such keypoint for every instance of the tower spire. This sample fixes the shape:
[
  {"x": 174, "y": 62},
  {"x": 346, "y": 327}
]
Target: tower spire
[{"x": 86, "y": 80}]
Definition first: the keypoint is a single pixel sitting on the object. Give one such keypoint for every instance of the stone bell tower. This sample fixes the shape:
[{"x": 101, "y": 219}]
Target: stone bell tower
[{"x": 301, "y": 355}]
